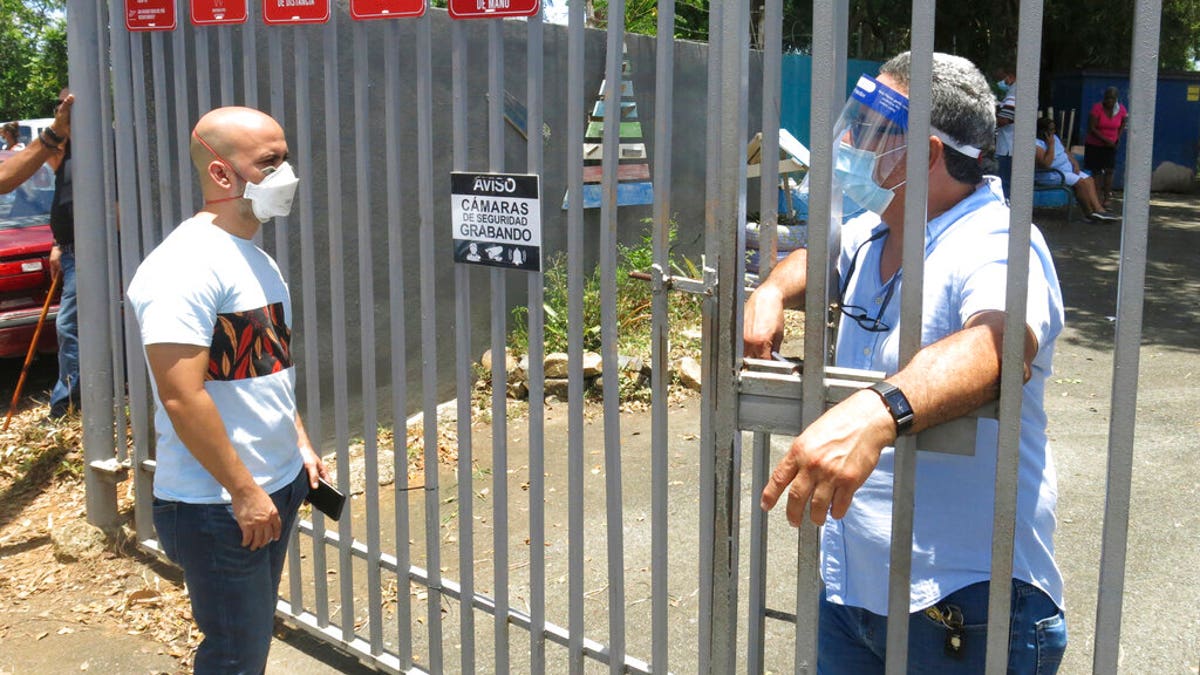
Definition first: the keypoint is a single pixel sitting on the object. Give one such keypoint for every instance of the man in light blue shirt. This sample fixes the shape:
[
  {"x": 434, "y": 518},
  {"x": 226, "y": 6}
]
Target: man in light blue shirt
[{"x": 842, "y": 465}]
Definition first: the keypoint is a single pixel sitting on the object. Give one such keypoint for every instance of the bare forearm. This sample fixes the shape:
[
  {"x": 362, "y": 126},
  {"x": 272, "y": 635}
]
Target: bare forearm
[
  {"x": 18, "y": 168},
  {"x": 789, "y": 279}
]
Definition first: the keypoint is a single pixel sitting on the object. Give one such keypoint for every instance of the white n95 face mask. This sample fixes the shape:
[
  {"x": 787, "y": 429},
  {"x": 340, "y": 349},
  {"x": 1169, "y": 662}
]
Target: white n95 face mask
[{"x": 272, "y": 196}]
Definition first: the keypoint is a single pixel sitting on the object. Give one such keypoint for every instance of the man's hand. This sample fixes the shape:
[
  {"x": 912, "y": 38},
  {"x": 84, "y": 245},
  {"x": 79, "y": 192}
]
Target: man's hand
[
  {"x": 762, "y": 330},
  {"x": 62, "y": 117},
  {"x": 831, "y": 459},
  {"x": 256, "y": 514},
  {"x": 313, "y": 464},
  {"x": 55, "y": 261}
]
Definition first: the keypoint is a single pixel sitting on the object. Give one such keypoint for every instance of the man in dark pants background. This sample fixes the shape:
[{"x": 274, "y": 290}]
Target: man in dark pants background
[{"x": 65, "y": 395}]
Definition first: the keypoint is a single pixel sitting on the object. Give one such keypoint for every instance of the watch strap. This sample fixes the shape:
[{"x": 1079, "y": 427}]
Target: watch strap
[{"x": 897, "y": 404}]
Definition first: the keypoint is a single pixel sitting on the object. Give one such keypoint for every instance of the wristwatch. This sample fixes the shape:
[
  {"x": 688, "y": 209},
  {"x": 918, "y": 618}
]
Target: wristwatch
[{"x": 897, "y": 404}]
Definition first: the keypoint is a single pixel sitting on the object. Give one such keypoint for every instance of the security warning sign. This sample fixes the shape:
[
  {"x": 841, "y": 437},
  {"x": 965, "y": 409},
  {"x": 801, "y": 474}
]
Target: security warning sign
[{"x": 497, "y": 219}]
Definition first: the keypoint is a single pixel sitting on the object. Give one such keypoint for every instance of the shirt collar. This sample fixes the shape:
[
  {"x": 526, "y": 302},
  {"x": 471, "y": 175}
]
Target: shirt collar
[{"x": 987, "y": 191}]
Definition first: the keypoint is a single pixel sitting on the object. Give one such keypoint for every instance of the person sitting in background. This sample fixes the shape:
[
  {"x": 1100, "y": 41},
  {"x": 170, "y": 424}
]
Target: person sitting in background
[
  {"x": 9, "y": 135},
  {"x": 1051, "y": 154}
]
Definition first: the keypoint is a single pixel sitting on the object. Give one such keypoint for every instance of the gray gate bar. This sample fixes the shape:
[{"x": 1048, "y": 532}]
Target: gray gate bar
[
  {"x": 366, "y": 317},
  {"x": 312, "y": 347},
  {"x": 183, "y": 127},
  {"x": 337, "y": 284},
  {"x": 128, "y": 205},
  {"x": 575, "y": 446},
  {"x": 499, "y": 292},
  {"x": 112, "y": 255},
  {"x": 279, "y": 112},
  {"x": 664, "y": 102},
  {"x": 830, "y": 26},
  {"x": 464, "y": 379},
  {"x": 768, "y": 218},
  {"x": 137, "y": 51},
  {"x": 1012, "y": 364},
  {"x": 166, "y": 214},
  {"x": 429, "y": 341},
  {"x": 95, "y": 342},
  {"x": 1130, "y": 300},
  {"x": 913, "y": 264},
  {"x": 536, "y": 371},
  {"x": 614, "y": 508},
  {"x": 225, "y": 44},
  {"x": 250, "y": 71},
  {"x": 398, "y": 321},
  {"x": 202, "y": 67},
  {"x": 720, "y": 440}
]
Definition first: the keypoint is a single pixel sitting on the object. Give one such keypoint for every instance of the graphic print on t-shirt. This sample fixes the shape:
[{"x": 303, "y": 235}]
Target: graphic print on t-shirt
[{"x": 250, "y": 344}]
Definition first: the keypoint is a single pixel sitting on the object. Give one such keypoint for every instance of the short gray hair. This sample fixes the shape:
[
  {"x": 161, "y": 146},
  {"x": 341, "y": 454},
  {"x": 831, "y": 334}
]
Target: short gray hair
[{"x": 963, "y": 107}]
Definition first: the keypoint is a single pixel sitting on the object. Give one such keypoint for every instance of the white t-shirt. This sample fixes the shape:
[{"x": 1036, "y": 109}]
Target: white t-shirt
[{"x": 203, "y": 286}]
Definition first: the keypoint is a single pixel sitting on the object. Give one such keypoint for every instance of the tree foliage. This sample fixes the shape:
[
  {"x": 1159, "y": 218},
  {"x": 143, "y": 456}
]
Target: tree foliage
[
  {"x": 33, "y": 40},
  {"x": 1096, "y": 34}
]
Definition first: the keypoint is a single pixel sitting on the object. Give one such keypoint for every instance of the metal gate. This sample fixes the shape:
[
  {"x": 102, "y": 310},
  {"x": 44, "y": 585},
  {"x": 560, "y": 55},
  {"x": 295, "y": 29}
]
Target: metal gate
[{"x": 396, "y": 603}]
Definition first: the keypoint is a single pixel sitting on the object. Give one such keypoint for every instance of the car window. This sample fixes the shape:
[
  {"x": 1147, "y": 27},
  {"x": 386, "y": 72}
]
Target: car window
[{"x": 29, "y": 204}]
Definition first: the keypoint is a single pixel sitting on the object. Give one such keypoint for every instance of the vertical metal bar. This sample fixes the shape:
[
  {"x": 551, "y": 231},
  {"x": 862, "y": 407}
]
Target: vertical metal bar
[
  {"x": 913, "y": 264},
  {"x": 1012, "y": 372},
  {"x": 95, "y": 336},
  {"x": 720, "y": 439},
  {"x": 576, "y": 541},
  {"x": 769, "y": 174},
  {"x": 429, "y": 340},
  {"x": 664, "y": 101},
  {"x": 183, "y": 122},
  {"x": 366, "y": 318},
  {"x": 614, "y": 511},
  {"x": 279, "y": 112},
  {"x": 768, "y": 245},
  {"x": 225, "y": 55},
  {"x": 202, "y": 68},
  {"x": 312, "y": 347},
  {"x": 399, "y": 332},
  {"x": 708, "y": 459},
  {"x": 337, "y": 295},
  {"x": 162, "y": 136},
  {"x": 250, "y": 68},
  {"x": 499, "y": 362},
  {"x": 828, "y": 94},
  {"x": 130, "y": 256},
  {"x": 137, "y": 52},
  {"x": 1130, "y": 284},
  {"x": 462, "y": 342},
  {"x": 536, "y": 375},
  {"x": 112, "y": 255}
]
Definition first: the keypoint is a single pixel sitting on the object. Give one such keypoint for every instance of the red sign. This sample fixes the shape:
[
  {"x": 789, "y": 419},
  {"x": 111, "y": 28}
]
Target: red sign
[
  {"x": 492, "y": 9},
  {"x": 218, "y": 12},
  {"x": 149, "y": 15},
  {"x": 362, "y": 10},
  {"x": 277, "y": 12}
]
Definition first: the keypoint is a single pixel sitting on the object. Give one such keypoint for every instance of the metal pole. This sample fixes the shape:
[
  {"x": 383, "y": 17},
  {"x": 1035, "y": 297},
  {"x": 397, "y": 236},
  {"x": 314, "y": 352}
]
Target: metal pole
[
  {"x": 720, "y": 438},
  {"x": 1130, "y": 301},
  {"x": 95, "y": 336}
]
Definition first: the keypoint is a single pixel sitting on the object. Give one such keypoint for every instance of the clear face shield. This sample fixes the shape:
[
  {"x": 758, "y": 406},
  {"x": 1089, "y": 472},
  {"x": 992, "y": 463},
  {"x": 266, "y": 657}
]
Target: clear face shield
[{"x": 869, "y": 141}]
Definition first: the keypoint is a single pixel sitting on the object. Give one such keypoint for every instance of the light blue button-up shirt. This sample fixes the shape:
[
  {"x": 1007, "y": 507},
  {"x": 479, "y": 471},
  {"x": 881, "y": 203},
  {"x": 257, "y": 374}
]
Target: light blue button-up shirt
[{"x": 966, "y": 262}]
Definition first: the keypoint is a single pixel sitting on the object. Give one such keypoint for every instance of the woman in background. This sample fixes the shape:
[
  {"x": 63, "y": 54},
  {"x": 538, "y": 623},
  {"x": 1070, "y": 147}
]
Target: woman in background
[
  {"x": 1106, "y": 123},
  {"x": 8, "y": 137},
  {"x": 1051, "y": 154}
]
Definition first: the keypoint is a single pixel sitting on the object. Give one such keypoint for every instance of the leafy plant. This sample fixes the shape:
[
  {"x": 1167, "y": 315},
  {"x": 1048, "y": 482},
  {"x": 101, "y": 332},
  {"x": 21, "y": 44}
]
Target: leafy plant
[{"x": 633, "y": 303}]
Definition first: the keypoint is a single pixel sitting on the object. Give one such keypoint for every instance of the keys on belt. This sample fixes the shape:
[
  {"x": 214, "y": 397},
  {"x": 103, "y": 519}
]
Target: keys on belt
[{"x": 949, "y": 616}]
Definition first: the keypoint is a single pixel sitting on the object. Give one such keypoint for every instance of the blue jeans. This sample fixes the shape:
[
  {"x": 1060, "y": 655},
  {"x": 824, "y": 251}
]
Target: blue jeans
[
  {"x": 1004, "y": 170},
  {"x": 853, "y": 640},
  {"x": 66, "y": 389},
  {"x": 233, "y": 590}
]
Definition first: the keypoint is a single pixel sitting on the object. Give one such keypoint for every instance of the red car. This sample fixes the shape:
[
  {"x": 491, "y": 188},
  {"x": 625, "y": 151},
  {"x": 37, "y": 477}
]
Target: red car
[{"x": 25, "y": 243}]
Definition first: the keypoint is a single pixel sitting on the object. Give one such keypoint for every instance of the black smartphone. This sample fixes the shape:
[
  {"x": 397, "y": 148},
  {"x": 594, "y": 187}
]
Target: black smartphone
[{"x": 326, "y": 499}]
